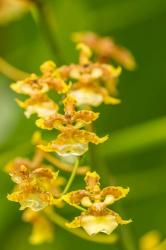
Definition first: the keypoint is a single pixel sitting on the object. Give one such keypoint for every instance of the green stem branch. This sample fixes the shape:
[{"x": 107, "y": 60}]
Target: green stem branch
[
  {"x": 47, "y": 25},
  {"x": 10, "y": 71},
  {"x": 72, "y": 176}
]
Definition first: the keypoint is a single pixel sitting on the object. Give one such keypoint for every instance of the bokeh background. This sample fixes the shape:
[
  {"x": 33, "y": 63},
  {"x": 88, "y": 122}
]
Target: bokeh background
[{"x": 136, "y": 154}]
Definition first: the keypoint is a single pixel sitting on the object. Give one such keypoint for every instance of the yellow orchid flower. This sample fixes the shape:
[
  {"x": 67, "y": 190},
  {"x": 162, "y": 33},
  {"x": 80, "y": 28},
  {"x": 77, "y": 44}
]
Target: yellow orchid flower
[
  {"x": 72, "y": 142},
  {"x": 40, "y": 105},
  {"x": 34, "y": 85},
  {"x": 97, "y": 217},
  {"x": 70, "y": 119},
  {"x": 105, "y": 48},
  {"x": 93, "y": 83},
  {"x": 36, "y": 188}
]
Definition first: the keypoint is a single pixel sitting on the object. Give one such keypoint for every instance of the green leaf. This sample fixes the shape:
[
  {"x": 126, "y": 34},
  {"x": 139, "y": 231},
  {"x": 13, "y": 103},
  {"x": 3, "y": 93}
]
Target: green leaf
[
  {"x": 135, "y": 139},
  {"x": 125, "y": 13}
]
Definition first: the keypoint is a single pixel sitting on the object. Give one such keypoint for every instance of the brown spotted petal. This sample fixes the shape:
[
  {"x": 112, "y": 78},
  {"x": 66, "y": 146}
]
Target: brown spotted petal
[
  {"x": 65, "y": 146},
  {"x": 85, "y": 53},
  {"x": 72, "y": 142},
  {"x": 75, "y": 197},
  {"x": 56, "y": 121},
  {"x": 112, "y": 194},
  {"x": 71, "y": 117},
  {"x": 69, "y": 105},
  {"x": 48, "y": 68},
  {"x": 19, "y": 170},
  {"x": 85, "y": 116},
  {"x": 30, "y": 86},
  {"x": 52, "y": 77},
  {"x": 92, "y": 180}
]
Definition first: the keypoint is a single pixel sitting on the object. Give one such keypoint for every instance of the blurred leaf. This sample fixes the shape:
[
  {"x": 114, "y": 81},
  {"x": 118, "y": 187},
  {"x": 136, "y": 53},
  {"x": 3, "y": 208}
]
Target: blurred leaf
[
  {"x": 135, "y": 139},
  {"x": 144, "y": 184},
  {"x": 125, "y": 13},
  {"x": 9, "y": 112}
]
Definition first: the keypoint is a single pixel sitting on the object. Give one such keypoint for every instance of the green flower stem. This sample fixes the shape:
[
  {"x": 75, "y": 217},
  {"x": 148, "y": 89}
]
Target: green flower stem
[
  {"x": 10, "y": 71},
  {"x": 61, "y": 222},
  {"x": 47, "y": 24},
  {"x": 72, "y": 176},
  {"x": 64, "y": 166},
  {"x": 79, "y": 208}
]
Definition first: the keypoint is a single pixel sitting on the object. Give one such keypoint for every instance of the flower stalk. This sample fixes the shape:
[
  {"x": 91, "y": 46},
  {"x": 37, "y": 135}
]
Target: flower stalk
[
  {"x": 82, "y": 170},
  {"x": 72, "y": 176},
  {"x": 47, "y": 24},
  {"x": 10, "y": 71}
]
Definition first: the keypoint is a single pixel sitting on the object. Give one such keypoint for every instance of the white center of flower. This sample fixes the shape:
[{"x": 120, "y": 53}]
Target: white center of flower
[
  {"x": 86, "y": 202},
  {"x": 109, "y": 199},
  {"x": 42, "y": 111},
  {"x": 33, "y": 202},
  {"x": 71, "y": 149},
  {"x": 87, "y": 97},
  {"x": 28, "y": 89},
  {"x": 16, "y": 179},
  {"x": 96, "y": 224},
  {"x": 96, "y": 73}
]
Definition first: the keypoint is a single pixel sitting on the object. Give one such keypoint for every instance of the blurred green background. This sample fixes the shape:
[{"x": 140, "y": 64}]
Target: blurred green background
[{"x": 136, "y": 154}]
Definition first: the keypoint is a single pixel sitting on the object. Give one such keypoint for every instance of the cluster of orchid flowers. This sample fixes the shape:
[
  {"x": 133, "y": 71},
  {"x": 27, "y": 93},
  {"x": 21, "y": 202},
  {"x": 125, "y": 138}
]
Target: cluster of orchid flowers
[
  {"x": 63, "y": 98},
  {"x": 77, "y": 88}
]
